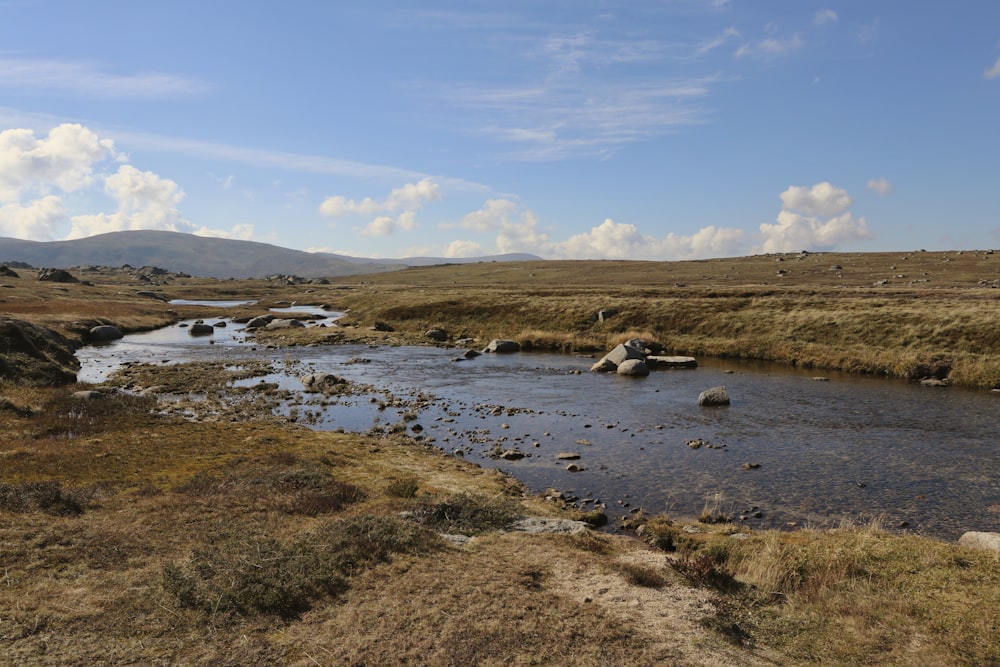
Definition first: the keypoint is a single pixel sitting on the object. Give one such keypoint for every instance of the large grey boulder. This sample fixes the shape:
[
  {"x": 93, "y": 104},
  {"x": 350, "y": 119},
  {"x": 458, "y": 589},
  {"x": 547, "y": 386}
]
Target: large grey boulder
[
  {"x": 105, "y": 333},
  {"x": 633, "y": 349},
  {"x": 633, "y": 368},
  {"x": 500, "y": 346},
  {"x": 714, "y": 396},
  {"x": 980, "y": 540}
]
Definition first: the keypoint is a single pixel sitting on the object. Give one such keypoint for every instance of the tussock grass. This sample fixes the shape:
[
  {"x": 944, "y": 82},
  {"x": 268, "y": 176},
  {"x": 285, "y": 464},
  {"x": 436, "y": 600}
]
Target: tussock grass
[{"x": 855, "y": 595}]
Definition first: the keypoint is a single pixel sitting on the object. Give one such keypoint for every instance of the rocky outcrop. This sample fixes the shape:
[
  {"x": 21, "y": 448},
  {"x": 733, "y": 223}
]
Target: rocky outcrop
[
  {"x": 639, "y": 350},
  {"x": 7, "y": 272},
  {"x": 655, "y": 361},
  {"x": 35, "y": 355},
  {"x": 714, "y": 396},
  {"x": 57, "y": 276}
]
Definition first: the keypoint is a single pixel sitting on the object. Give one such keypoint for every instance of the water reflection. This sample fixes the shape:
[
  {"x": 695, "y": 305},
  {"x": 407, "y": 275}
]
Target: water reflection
[{"x": 849, "y": 447}]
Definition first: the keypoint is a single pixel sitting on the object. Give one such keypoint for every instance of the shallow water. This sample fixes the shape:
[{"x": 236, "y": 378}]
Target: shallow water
[{"x": 848, "y": 448}]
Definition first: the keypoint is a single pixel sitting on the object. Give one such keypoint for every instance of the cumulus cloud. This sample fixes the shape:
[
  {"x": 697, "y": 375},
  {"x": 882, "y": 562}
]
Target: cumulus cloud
[
  {"x": 38, "y": 221},
  {"x": 460, "y": 248},
  {"x": 407, "y": 199},
  {"x": 411, "y": 197},
  {"x": 37, "y": 174},
  {"x": 145, "y": 201},
  {"x": 518, "y": 230},
  {"x": 813, "y": 218},
  {"x": 880, "y": 186},
  {"x": 993, "y": 72},
  {"x": 64, "y": 160}
]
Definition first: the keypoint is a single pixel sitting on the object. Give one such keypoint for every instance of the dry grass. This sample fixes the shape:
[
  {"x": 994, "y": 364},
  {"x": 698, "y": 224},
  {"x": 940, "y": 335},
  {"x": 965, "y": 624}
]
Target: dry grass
[{"x": 229, "y": 537}]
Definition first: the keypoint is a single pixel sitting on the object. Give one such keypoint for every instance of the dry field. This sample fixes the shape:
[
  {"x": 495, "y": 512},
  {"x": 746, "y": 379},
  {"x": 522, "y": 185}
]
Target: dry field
[{"x": 134, "y": 535}]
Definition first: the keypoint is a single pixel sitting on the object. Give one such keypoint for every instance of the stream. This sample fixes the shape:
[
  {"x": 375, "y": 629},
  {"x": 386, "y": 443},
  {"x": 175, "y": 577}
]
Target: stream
[{"x": 848, "y": 448}]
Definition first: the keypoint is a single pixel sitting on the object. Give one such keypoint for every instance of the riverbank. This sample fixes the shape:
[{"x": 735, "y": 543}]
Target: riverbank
[{"x": 129, "y": 535}]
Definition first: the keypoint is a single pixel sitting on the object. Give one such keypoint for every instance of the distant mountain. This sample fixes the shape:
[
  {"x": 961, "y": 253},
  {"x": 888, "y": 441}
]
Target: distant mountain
[{"x": 204, "y": 256}]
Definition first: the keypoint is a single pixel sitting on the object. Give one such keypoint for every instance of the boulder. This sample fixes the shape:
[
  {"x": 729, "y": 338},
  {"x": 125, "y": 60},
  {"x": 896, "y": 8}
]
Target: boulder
[
  {"x": 201, "y": 329},
  {"x": 105, "y": 333},
  {"x": 437, "y": 335},
  {"x": 500, "y": 346},
  {"x": 633, "y": 349},
  {"x": 8, "y": 272},
  {"x": 633, "y": 368},
  {"x": 980, "y": 540},
  {"x": 285, "y": 324},
  {"x": 259, "y": 322},
  {"x": 605, "y": 365},
  {"x": 35, "y": 355},
  {"x": 383, "y": 326},
  {"x": 56, "y": 276},
  {"x": 324, "y": 382},
  {"x": 714, "y": 396},
  {"x": 654, "y": 361}
]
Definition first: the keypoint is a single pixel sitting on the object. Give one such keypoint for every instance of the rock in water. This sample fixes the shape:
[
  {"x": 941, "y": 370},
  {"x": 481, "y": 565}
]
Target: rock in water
[
  {"x": 633, "y": 368},
  {"x": 714, "y": 396}
]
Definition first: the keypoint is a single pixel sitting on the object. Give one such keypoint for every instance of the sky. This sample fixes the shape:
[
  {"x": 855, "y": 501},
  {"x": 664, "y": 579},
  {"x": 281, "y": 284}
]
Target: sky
[{"x": 586, "y": 129}]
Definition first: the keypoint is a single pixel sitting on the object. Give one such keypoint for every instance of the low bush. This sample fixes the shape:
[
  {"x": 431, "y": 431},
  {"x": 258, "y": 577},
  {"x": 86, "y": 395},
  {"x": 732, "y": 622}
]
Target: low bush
[
  {"x": 48, "y": 497},
  {"x": 245, "y": 577},
  {"x": 469, "y": 514}
]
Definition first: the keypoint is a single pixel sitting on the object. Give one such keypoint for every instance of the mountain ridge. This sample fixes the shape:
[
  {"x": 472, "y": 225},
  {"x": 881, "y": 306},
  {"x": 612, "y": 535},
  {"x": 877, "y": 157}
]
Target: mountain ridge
[{"x": 207, "y": 256}]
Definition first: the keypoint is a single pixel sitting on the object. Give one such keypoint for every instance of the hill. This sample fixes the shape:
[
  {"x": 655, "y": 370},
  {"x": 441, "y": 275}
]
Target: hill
[{"x": 202, "y": 256}]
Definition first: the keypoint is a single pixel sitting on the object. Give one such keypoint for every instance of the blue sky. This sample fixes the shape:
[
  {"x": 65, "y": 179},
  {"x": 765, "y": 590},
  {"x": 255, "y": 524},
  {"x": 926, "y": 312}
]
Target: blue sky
[{"x": 648, "y": 129}]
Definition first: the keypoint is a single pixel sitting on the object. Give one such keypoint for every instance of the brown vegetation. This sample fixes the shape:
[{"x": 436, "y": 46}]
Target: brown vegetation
[{"x": 133, "y": 534}]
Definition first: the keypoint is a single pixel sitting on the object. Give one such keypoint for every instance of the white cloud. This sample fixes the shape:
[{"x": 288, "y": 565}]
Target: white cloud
[
  {"x": 716, "y": 42},
  {"x": 813, "y": 218},
  {"x": 611, "y": 240},
  {"x": 771, "y": 47},
  {"x": 38, "y": 221},
  {"x": 993, "y": 72},
  {"x": 145, "y": 201},
  {"x": 820, "y": 199},
  {"x": 493, "y": 215},
  {"x": 824, "y": 16},
  {"x": 518, "y": 231},
  {"x": 461, "y": 248},
  {"x": 88, "y": 78},
  {"x": 238, "y": 232},
  {"x": 409, "y": 197},
  {"x": 880, "y": 186},
  {"x": 63, "y": 160}
]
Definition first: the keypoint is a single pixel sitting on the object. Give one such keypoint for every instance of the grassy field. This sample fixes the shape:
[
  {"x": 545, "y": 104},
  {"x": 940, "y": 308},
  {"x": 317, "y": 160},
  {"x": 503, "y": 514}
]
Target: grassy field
[{"x": 130, "y": 534}]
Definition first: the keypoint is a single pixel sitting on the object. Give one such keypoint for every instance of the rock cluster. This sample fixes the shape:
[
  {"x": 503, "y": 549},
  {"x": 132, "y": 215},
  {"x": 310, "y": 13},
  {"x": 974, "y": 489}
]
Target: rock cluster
[{"x": 635, "y": 358}]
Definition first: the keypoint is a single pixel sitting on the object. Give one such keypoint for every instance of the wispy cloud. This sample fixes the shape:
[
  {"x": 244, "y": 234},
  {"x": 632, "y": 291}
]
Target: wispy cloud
[
  {"x": 255, "y": 157},
  {"x": 88, "y": 78},
  {"x": 824, "y": 16},
  {"x": 771, "y": 47},
  {"x": 880, "y": 186},
  {"x": 993, "y": 72}
]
